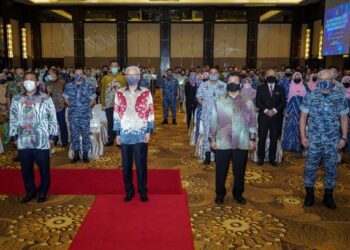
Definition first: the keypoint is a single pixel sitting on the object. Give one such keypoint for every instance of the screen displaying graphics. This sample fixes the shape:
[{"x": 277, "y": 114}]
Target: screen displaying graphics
[{"x": 336, "y": 34}]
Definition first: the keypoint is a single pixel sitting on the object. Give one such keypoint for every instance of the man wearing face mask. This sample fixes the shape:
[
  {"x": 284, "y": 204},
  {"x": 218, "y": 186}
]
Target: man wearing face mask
[
  {"x": 232, "y": 134},
  {"x": 270, "y": 100},
  {"x": 79, "y": 97},
  {"x": 325, "y": 112},
  {"x": 133, "y": 125},
  {"x": 109, "y": 85},
  {"x": 55, "y": 88},
  {"x": 171, "y": 93},
  {"x": 286, "y": 80},
  {"x": 191, "y": 101},
  {"x": 206, "y": 96},
  {"x": 90, "y": 79},
  {"x": 33, "y": 126}
]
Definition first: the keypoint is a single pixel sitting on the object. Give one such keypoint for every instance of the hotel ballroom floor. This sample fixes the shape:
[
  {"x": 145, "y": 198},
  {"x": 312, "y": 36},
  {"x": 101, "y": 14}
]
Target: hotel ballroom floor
[{"x": 273, "y": 218}]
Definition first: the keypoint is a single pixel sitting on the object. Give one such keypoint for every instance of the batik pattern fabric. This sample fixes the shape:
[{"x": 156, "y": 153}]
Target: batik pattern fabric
[
  {"x": 33, "y": 121},
  {"x": 232, "y": 121},
  {"x": 209, "y": 93},
  {"x": 285, "y": 83},
  {"x": 133, "y": 115},
  {"x": 291, "y": 132}
]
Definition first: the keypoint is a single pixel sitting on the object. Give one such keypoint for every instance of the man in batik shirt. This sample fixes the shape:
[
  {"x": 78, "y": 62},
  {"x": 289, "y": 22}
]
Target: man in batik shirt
[{"x": 33, "y": 126}]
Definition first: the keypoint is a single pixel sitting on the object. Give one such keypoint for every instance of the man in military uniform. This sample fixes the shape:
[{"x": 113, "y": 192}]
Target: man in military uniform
[
  {"x": 170, "y": 88},
  {"x": 325, "y": 112},
  {"x": 80, "y": 97},
  {"x": 13, "y": 88},
  {"x": 207, "y": 94}
]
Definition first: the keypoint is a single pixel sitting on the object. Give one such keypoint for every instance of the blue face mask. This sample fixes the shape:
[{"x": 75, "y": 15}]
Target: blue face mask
[
  {"x": 324, "y": 85},
  {"x": 133, "y": 80},
  {"x": 114, "y": 70},
  {"x": 78, "y": 78},
  {"x": 193, "y": 78},
  {"x": 213, "y": 77}
]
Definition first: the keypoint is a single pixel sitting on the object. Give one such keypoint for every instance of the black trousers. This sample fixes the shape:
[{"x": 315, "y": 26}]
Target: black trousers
[
  {"x": 110, "y": 123},
  {"x": 27, "y": 159},
  {"x": 137, "y": 152},
  {"x": 190, "y": 109},
  {"x": 265, "y": 125},
  {"x": 239, "y": 162}
]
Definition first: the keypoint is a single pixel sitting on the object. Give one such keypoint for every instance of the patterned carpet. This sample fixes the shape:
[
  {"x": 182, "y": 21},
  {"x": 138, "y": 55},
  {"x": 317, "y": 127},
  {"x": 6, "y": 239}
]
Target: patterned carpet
[{"x": 273, "y": 218}]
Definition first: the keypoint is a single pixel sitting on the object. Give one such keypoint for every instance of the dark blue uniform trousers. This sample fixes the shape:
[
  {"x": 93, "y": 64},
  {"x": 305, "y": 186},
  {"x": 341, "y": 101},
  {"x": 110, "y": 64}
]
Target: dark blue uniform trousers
[
  {"x": 137, "y": 152},
  {"x": 27, "y": 159},
  {"x": 61, "y": 119}
]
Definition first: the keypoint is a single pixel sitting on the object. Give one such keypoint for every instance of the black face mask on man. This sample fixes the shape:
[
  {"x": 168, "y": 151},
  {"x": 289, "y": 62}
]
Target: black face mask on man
[
  {"x": 271, "y": 79},
  {"x": 233, "y": 87},
  {"x": 346, "y": 84}
]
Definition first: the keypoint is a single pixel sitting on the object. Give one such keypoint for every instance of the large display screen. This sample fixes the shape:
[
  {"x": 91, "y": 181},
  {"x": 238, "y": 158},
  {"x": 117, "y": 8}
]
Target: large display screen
[{"x": 336, "y": 34}]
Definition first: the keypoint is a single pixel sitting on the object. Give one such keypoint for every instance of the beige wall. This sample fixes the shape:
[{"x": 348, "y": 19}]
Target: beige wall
[
  {"x": 186, "y": 45},
  {"x": 100, "y": 43},
  {"x": 317, "y": 27},
  {"x": 57, "y": 40},
  {"x": 16, "y": 42},
  {"x": 144, "y": 44},
  {"x": 230, "y": 44},
  {"x": 273, "y": 44}
]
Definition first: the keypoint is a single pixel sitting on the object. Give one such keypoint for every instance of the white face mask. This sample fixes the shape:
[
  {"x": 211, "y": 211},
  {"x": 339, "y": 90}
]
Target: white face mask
[
  {"x": 29, "y": 85},
  {"x": 246, "y": 85}
]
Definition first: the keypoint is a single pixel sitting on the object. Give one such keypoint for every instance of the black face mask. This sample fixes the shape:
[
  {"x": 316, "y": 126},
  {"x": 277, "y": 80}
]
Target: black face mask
[
  {"x": 297, "y": 80},
  {"x": 233, "y": 87},
  {"x": 10, "y": 78},
  {"x": 3, "y": 81},
  {"x": 288, "y": 74},
  {"x": 243, "y": 76},
  {"x": 346, "y": 84},
  {"x": 314, "y": 79},
  {"x": 271, "y": 79},
  {"x": 204, "y": 80}
]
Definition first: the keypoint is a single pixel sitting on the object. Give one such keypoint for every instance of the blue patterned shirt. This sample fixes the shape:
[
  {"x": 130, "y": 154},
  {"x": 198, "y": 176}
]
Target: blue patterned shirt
[{"x": 33, "y": 121}]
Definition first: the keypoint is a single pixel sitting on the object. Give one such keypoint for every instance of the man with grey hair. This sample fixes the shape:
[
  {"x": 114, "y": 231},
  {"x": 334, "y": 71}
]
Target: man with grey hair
[
  {"x": 324, "y": 111},
  {"x": 133, "y": 125}
]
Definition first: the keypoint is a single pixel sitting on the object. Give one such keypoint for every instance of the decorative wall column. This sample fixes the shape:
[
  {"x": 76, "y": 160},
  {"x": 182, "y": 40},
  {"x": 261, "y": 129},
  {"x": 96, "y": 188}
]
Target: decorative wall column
[{"x": 165, "y": 30}]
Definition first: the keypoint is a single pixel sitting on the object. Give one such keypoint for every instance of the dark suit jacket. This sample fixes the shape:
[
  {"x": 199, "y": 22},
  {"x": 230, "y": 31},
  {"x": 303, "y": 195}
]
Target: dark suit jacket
[{"x": 265, "y": 101}]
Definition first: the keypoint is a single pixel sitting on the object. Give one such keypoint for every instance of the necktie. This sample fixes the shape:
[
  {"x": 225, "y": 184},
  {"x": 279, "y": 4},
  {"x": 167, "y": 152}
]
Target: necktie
[{"x": 271, "y": 90}]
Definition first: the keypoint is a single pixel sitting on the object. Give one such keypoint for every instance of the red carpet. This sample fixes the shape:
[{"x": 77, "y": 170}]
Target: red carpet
[
  {"x": 92, "y": 181},
  {"x": 162, "y": 223}
]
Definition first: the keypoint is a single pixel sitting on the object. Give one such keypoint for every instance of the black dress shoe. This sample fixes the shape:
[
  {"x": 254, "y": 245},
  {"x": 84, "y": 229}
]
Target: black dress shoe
[
  {"x": 240, "y": 199},
  {"x": 328, "y": 200},
  {"x": 144, "y": 197},
  {"x": 260, "y": 163},
  {"x": 219, "y": 199},
  {"x": 16, "y": 158},
  {"x": 165, "y": 121},
  {"x": 42, "y": 198},
  {"x": 310, "y": 197},
  {"x": 274, "y": 163},
  {"x": 174, "y": 122},
  {"x": 110, "y": 143},
  {"x": 129, "y": 196},
  {"x": 28, "y": 198}
]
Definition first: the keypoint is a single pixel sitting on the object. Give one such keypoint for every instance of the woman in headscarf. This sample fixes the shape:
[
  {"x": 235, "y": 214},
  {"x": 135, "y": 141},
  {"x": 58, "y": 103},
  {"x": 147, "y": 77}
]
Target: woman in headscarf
[
  {"x": 312, "y": 83},
  {"x": 190, "y": 97},
  {"x": 247, "y": 89},
  {"x": 291, "y": 134},
  {"x": 346, "y": 83}
]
